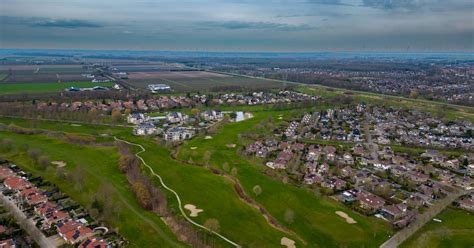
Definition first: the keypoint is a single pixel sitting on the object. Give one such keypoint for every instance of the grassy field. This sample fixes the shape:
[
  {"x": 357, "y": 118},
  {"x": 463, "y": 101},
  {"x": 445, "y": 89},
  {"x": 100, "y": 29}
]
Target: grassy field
[
  {"x": 141, "y": 228},
  {"x": 23, "y": 88},
  {"x": 315, "y": 220},
  {"x": 456, "y": 230},
  {"x": 195, "y": 185}
]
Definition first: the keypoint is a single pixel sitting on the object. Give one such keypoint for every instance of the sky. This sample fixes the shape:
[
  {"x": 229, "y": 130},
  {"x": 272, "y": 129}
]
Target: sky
[{"x": 240, "y": 25}]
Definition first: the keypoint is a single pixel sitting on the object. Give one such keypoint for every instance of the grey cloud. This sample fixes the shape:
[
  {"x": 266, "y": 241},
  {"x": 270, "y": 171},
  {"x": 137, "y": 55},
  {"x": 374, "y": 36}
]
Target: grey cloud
[
  {"x": 329, "y": 2},
  {"x": 418, "y": 4},
  {"x": 238, "y": 25},
  {"x": 49, "y": 22}
]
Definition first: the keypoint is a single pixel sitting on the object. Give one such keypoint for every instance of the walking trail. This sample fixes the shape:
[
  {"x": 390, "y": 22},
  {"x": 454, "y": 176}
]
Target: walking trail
[{"x": 180, "y": 205}]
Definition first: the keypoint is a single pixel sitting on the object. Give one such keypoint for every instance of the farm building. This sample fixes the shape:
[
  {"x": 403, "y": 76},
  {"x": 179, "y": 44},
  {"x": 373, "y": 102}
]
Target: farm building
[{"x": 155, "y": 88}]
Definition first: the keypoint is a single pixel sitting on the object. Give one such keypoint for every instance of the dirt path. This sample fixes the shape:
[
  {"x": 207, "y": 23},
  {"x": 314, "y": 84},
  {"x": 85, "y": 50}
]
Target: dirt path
[{"x": 239, "y": 189}]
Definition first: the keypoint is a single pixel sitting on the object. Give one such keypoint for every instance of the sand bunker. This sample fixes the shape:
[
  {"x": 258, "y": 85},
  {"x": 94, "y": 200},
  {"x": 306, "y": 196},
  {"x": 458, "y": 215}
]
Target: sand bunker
[
  {"x": 194, "y": 211},
  {"x": 59, "y": 163},
  {"x": 287, "y": 242},
  {"x": 193, "y": 148},
  {"x": 231, "y": 145},
  {"x": 346, "y": 217},
  {"x": 208, "y": 137}
]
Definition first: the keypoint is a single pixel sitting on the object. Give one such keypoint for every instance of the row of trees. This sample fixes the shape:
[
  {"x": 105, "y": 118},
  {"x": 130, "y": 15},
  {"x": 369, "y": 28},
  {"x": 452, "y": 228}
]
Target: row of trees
[
  {"x": 148, "y": 196},
  {"x": 152, "y": 198}
]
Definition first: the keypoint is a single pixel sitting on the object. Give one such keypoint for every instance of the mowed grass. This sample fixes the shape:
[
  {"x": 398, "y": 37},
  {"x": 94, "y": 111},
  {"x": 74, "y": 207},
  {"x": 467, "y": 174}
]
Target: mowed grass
[
  {"x": 314, "y": 219},
  {"x": 456, "y": 230},
  {"x": 141, "y": 228},
  {"x": 22, "y": 88},
  {"x": 214, "y": 194}
]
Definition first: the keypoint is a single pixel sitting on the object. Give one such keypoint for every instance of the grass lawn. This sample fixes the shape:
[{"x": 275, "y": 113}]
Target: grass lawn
[
  {"x": 141, "y": 228},
  {"x": 195, "y": 185},
  {"x": 456, "y": 230},
  {"x": 314, "y": 216},
  {"x": 20, "y": 88}
]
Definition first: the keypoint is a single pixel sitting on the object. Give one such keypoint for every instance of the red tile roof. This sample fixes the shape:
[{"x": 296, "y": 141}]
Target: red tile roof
[
  {"x": 93, "y": 243},
  {"x": 16, "y": 183},
  {"x": 73, "y": 231}
]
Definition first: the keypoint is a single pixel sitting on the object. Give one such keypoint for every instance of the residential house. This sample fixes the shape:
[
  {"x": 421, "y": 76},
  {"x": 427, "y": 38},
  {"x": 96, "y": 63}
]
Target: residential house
[
  {"x": 73, "y": 231},
  {"x": 330, "y": 152},
  {"x": 394, "y": 211},
  {"x": 212, "y": 115},
  {"x": 94, "y": 242},
  {"x": 178, "y": 134},
  {"x": 137, "y": 118},
  {"x": 147, "y": 128},
  {"x": 5, "y": 172},
  {"x": 369, "y": 201},
  {"x": 176, "y": 117},
  {"x": 467, "y": 203},
  {"x": 16, "y": 183}
]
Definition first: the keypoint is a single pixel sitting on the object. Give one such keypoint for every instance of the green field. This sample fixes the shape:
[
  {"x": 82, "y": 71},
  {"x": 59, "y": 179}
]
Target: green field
[
  {"x": 456, "y": 230},
  {"x": 141, "y": 228},
  {"x": 315, "y": 219},
  {"x": 30, "y": 88}
]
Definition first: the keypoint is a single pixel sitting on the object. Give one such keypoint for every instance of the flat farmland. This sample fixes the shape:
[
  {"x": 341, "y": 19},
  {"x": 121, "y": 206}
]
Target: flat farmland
[
  {"x": 31, "y": 88},
  {"x": 41, "y": 73},
  {"x": 190, "y": 81}
]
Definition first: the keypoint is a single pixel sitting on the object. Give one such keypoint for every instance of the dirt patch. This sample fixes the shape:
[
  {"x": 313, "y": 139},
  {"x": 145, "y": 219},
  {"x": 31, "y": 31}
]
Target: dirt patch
[
  {"x": 348, "y": 219},
  {"x": 208, "y": 137},
  {"x": 288, "y": 242},
  {"x": 231, "y": 145},
  {"x": 194, "y": 211},
  {"x": 59, "y": 164}
]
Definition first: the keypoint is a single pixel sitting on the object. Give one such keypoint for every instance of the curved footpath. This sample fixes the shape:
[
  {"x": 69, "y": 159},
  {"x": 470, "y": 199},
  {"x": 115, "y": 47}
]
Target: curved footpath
[{"x": 176, "y": 194}]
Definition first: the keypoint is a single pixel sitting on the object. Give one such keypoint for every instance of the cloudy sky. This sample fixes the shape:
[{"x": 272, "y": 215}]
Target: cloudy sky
[{"x": 239, "y": 25}]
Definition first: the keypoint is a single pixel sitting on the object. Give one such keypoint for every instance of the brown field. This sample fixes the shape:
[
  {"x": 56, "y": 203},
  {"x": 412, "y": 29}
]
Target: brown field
[
  {"x": 174, "y": 75},
  {"x": 192, "y": 81},
  {"x": 41, "y": 73},
  {"x": 34, "y": 67}
]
